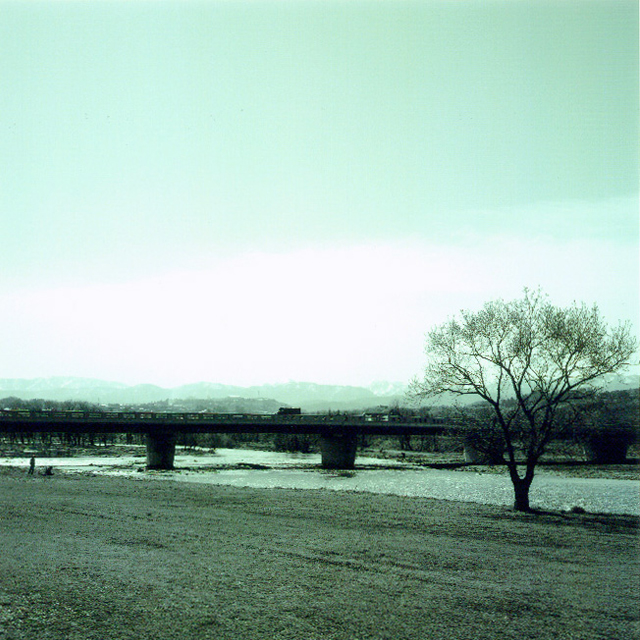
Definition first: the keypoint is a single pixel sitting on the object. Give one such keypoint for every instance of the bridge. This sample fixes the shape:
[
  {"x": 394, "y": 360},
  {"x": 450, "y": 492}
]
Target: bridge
[{"x": 338, "y": 433}]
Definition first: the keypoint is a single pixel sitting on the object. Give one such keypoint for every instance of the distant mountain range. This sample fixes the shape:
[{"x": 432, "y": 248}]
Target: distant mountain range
[
  {"x": 622, "y": 382},
  {"x": 309, "y": 396}
]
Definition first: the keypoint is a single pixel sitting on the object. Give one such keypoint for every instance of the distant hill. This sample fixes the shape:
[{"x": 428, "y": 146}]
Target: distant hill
[
  {"x": 309, "y": 396},
  {"x": 622, "y": 382}
]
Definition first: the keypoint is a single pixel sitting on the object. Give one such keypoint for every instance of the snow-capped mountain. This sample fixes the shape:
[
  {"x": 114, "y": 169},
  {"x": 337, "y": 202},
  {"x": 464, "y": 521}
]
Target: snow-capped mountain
[
  {"x": 307, "y": 395},
  {"x": 310, "y": 396},
  {"x": 385, "y": 388}
]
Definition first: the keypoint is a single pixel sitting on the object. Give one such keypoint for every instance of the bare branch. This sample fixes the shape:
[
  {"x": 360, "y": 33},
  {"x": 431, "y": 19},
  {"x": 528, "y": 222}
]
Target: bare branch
[{"x": 525, "y": 358}]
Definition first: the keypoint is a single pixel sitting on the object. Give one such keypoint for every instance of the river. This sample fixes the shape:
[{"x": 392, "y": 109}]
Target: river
[{"x": 263, "y": 469}]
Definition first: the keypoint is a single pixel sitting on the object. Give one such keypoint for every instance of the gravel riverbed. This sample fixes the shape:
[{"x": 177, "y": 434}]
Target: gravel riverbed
[{"x": 103, "y": 558}]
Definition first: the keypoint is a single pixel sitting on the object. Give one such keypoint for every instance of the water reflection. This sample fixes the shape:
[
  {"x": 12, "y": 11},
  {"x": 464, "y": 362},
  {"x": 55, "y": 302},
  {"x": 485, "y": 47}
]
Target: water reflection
[{"x": 301, "y": 471}]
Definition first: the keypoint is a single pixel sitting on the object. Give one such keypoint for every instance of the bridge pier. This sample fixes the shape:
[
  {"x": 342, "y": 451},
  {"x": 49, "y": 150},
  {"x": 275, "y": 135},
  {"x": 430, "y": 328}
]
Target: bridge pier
[
  {"x": 161, "y": 449},
  {"x": 606, "y": 448},
  {"x": 479, "y": 450},
  {"x": 473, "y": 455},
  {"x": 338, "y": 451}
]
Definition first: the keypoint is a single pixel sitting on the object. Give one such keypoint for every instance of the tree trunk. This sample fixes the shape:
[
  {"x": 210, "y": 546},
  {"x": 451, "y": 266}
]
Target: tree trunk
[{"x": 521, "y": 489}]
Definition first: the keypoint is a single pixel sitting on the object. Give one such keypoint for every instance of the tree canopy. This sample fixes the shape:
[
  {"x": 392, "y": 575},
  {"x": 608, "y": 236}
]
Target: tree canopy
[{"x": 526, "y": 358}]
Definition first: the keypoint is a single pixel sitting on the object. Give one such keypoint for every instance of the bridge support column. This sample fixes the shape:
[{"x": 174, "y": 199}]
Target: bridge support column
[
  {"x": 472, "y": 455},
  {"x": 478, "y": 452},
  {"x": 338, "y": 451},
  {"x": 606, "y": 448},
  {"x": 161, "y": 448}
]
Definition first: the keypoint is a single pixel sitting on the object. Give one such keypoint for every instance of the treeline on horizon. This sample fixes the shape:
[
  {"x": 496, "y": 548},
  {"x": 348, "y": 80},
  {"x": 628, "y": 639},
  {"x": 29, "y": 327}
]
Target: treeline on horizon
[{"x": 609, "y": 414}]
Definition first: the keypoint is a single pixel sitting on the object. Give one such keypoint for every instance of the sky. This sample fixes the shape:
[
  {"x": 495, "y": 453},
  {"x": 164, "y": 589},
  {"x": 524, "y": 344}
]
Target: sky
[{"x": 250, "y": 192}]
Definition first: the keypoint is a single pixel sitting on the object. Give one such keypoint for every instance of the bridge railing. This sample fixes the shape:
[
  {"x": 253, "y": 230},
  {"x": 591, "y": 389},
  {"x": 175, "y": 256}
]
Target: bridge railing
[
  {"x": 24, "y": 421},
  {"x": 12, "y": 415}
]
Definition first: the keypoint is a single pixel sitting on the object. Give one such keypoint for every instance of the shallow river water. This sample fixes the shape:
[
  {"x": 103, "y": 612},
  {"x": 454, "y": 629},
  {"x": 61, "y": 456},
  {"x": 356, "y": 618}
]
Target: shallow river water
[{"x": 301, "y": 471}]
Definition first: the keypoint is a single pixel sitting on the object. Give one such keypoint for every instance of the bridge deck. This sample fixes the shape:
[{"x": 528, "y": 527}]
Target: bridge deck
[{"x": 145, "y": 422}]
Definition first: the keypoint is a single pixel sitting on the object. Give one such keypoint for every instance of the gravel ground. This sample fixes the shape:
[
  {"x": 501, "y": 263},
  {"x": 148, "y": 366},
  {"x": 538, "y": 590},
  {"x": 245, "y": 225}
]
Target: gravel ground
[{"x": 101, "y": 558}]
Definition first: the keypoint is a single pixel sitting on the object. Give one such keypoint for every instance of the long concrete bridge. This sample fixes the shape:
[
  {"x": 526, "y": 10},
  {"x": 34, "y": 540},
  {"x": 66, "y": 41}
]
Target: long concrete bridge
[{"x": 338, "y": 433}]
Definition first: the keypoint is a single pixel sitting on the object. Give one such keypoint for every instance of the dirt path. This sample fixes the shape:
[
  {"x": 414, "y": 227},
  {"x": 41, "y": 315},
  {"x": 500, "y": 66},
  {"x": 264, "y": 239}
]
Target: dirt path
[{"x": 86, "y": 558}]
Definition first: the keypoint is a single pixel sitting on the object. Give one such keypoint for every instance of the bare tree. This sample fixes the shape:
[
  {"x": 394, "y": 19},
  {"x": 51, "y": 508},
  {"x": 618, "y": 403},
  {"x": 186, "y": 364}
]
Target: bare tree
[{"x": 527, "y": 359}]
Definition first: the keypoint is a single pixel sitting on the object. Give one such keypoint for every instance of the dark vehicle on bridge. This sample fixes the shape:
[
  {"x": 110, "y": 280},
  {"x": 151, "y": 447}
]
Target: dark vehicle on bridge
[{"x": 289, "y": 411}]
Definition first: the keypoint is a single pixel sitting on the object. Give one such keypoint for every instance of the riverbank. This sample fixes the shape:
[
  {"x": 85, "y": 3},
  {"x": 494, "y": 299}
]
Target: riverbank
[
  {"x": 101, "y": 557},
  {"x": 613, "y": 489},
  {"x": 558, "y": 464}
]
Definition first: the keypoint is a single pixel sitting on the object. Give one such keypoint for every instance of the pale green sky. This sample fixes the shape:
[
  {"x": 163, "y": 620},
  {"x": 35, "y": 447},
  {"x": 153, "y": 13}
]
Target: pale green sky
[{"x": 217, "y": 142}]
